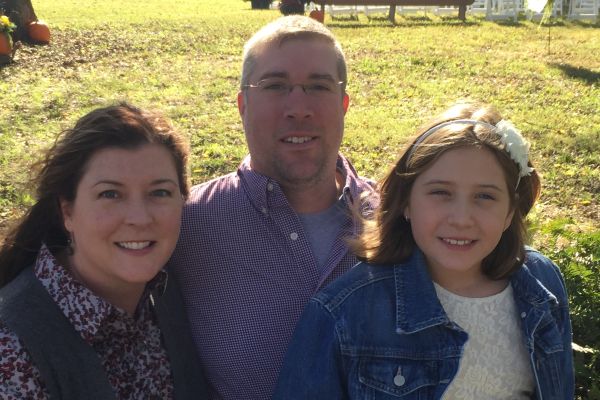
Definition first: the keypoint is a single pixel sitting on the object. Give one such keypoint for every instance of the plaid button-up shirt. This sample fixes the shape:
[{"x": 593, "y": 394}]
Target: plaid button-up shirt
[{"x": 247, "y": 270}]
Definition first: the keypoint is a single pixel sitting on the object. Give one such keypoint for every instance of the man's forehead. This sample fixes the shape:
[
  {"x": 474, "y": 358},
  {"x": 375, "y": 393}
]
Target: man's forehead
[{"x": 274, "y": 57}]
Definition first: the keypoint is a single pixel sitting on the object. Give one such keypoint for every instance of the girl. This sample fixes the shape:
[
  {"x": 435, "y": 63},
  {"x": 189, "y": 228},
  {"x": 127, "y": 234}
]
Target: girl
[{"x": 447, "y": 303}]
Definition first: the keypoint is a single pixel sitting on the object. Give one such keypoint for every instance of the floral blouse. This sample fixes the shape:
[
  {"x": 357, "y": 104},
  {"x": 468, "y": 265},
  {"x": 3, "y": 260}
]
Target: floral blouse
[{"x": 129, "y": 348}]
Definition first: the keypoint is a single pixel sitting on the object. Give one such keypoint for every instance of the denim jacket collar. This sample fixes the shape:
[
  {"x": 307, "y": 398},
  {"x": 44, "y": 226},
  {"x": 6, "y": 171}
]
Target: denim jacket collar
[{"x": 418, "y": 307}]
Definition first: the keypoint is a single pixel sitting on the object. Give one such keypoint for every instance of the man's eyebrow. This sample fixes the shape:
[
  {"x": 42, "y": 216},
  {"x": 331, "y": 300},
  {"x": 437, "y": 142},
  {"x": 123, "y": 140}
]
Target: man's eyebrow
[
  {"x": 273, "y": 74},
  {"x": 285, "y": 75},
  {"x": 327, "y": 77}
]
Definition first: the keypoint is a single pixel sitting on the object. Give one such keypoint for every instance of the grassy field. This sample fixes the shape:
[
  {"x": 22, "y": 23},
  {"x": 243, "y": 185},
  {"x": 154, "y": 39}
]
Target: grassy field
[{"x": 184, "y": 58}]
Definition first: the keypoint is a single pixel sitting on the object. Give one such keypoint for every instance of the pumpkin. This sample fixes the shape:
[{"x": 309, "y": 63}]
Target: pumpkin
[
  {"x": 39, "y": 32},
  {"x": 5, "y": 44},
  {"x": 317, "y": 15}
]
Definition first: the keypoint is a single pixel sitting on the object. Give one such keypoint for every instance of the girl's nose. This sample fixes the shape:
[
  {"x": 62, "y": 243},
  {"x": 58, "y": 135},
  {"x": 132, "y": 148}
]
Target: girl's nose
[{"x": 460, "y": 214}]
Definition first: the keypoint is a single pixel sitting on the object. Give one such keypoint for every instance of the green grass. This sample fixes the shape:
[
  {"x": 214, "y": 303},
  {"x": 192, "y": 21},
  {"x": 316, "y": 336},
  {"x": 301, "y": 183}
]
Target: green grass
[{"x": 184, "y": 59}]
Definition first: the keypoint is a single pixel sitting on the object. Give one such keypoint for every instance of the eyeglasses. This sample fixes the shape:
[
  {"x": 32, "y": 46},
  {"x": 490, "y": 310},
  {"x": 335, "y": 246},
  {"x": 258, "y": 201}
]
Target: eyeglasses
[{"x": 279, "y": 87}]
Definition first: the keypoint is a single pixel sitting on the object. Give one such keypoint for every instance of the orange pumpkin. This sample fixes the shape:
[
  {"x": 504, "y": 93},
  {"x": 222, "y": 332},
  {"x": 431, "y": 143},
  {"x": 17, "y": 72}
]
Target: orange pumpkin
[
  {"x": 39, "y": 32},
  {"x": 5, "y": 45},
  {"x": 318, "y": 15}
]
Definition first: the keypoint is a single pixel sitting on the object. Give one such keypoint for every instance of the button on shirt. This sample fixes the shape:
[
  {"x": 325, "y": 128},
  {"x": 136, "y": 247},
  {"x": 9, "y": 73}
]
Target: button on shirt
[
  {"x": 129, "y": 348},
  {"x": 246, "y": 270}
]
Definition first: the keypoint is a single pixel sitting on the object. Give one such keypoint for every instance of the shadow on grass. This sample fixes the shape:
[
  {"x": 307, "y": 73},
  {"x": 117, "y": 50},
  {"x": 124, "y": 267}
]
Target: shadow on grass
[
  {"x": 403, "y": 21},
  {"x": 509, "y": 22},
  {"x": 583, "y": 74},
  {"x": 586, "y": 24}
]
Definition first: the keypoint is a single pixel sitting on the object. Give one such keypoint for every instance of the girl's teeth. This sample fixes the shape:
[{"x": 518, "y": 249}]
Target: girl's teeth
[
  {"x": 457, "y": 242},
  {"x": 134, "y": 245}
]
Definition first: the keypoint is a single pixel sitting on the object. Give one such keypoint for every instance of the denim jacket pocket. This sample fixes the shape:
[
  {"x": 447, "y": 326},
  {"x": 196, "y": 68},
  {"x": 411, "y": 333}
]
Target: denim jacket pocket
[{"x": 389, "y": 378}]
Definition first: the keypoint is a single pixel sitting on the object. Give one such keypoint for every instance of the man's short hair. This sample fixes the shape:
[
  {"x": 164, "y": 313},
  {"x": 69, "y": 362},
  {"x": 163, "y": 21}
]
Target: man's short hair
[{"x": 289, "y": 28}]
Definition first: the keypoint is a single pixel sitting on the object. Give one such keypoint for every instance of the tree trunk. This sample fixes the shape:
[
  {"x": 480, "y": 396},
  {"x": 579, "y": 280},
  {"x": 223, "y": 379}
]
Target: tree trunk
[
  {"x": 260, "y": 4},
  {"x": 288, "y": 7},
  {"x": 21, "y": 13}
]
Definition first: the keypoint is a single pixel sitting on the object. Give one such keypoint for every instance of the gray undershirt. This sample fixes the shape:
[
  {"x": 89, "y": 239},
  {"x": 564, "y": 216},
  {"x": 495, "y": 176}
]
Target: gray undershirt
[{"x": 322, "y": 229}]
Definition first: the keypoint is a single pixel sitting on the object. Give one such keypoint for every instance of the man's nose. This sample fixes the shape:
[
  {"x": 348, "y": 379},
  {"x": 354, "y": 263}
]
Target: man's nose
[{"x": 299, "y": 105}]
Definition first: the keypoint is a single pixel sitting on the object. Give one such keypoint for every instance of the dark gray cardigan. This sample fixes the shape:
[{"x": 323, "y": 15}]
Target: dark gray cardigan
[{"x": 69, "y": 367}]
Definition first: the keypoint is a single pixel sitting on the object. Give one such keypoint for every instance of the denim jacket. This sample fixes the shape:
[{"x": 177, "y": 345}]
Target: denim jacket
[{"x": 376, "y": 320}]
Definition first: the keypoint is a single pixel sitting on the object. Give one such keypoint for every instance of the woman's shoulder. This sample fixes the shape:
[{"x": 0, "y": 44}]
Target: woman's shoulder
[{"x": 21, "y": 379}]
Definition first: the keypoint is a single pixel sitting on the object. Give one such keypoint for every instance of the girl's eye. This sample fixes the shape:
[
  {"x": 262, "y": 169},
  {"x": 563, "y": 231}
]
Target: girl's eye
[
  {"x": 161, "y": 193},
  {"x": 109, "y": 194},
  {"x": 485, "y": 196},
  {"x": 440, "y": 192}
]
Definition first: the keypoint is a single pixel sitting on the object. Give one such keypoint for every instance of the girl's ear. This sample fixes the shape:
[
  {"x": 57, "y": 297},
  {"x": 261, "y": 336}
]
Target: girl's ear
[
  {"x": 508, "y": 219},
  {"x": 407, "y": 213}
]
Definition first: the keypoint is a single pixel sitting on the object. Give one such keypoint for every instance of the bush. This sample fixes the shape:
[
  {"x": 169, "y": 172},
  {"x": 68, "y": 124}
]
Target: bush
[{"x": 578, "y": 256}]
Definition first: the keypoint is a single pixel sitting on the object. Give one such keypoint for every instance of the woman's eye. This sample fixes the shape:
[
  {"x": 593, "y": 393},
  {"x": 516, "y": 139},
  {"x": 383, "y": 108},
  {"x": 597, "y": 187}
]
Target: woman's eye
[
  {"x": 161, "y": 193},
  {"x": 440, "y": 192},
  {"x": 109, "y": 194}
]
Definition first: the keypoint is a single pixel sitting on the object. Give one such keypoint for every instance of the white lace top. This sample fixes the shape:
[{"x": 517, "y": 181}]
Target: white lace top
[{"x": 495, "y": 363}]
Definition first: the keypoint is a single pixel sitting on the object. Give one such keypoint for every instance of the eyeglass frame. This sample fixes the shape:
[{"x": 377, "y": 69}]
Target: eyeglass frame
[{"x": 292, "y": 86}]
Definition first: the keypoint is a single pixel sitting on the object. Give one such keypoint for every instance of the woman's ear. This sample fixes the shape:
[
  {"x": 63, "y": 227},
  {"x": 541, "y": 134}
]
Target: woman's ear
[{"x": 66, "y": 209}]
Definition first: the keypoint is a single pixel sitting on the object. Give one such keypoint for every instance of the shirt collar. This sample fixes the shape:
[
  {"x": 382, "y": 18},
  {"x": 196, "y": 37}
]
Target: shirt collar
[
  {"x": 265, "y": 193},
  {"x": 86, "y": 311}
]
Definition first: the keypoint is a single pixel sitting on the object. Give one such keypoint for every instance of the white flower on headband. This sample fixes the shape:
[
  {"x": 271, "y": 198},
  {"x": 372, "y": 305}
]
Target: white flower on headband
[{"x": 516, "y": 146}]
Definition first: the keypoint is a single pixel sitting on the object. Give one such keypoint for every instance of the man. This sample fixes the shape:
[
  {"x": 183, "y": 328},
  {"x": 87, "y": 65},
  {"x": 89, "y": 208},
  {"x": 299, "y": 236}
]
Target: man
[{"x": 256, "y": 244}]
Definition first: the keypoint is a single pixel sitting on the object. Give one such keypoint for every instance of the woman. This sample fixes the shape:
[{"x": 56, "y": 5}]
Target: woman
[{"x": 86, "y": 310}]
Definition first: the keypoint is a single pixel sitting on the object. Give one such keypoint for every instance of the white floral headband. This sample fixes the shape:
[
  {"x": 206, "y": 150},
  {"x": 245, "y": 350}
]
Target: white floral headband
[{"x": 514, "y": 143}]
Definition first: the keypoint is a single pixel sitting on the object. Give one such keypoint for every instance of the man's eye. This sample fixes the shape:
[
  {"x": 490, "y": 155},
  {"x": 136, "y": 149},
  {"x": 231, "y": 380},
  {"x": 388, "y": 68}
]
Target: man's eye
[
  {"x": 109, "y": 194},
  {"x": 275, "y": 86},
  {"x": 318, "y": 87}
]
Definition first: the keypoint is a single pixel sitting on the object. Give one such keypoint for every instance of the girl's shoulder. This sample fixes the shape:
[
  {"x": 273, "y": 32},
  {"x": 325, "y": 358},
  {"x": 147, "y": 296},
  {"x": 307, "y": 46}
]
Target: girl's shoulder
[
  {"x": 541, "y": 270},
  {"x": 541, "y": 266}
]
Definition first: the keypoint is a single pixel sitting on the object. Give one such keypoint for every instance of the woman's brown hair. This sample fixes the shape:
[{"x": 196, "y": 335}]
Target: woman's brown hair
[{"x": 118, "y": 126}]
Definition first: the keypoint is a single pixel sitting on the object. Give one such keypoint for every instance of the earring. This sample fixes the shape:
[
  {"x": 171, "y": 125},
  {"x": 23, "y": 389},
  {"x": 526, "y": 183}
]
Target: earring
[
  {"x": 407, "y": 218},
  {"x": 70, "y": 249}
]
